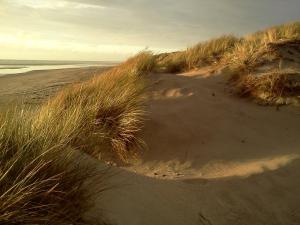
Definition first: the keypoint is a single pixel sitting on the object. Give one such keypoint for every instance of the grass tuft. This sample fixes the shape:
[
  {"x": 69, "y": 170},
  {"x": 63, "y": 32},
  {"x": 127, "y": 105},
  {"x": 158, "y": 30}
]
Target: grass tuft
[
  {"x": 243, "y": 54},
  {"x": 40, "y": 182},
  {"x": 209, "y": 52},
  {"x": 275, "y": 87},
  {"x": 43, "y": 178},
  {"x": 172, "y": 62},
  {"x": 105, "y": 113},
  {"x": 202, "y": 54},
  {"x": 253, "y": 50}
]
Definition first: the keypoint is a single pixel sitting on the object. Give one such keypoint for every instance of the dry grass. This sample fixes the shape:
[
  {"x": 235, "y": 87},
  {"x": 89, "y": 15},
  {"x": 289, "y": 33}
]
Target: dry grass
[
  {"x": 107, "y": 112},
  {"x": 259, "y": 49},
  {"x": 39, "y": 180},
  {"x": 172, "y": 62},
  {"x": 252, "y": 50},
  {"x": 202, "y": 54},
  {"x": 289, "y": 31},
  {"x": 209, "y": 52},
  {"x": 246, "y": 55},
  {"x": 275, "y": 87},
  {"x": 42, "y": 178},
  {"x": 243, "y": 54}
]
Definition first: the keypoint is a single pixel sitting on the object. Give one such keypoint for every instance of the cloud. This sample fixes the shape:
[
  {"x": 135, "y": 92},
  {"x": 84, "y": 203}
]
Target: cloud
[
  {"x": 136, "y": 24},
  {"x": 54, "y": 4}
]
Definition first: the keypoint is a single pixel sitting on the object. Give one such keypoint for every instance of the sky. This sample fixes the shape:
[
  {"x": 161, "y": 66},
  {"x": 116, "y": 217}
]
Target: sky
[{"x": 116, "y": 29}]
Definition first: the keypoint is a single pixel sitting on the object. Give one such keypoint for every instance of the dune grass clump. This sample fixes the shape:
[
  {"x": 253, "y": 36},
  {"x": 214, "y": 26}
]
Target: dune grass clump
[
  {"x": 243, "y": 54},
  {"x": 172, "y": 62},
  {"x": 43, "y": 178},
  {"x": 210, "y": 52},
  {"x": 202, "y": 54},
  {"x": 253, "y": 50},
  {"x": 275, "y": 87},
  {"x": 244, "y": 57},
  {"x": 107, "y": 110},
  {"x": 289, "y": 31},
  {"x": 40, "y": 181}
]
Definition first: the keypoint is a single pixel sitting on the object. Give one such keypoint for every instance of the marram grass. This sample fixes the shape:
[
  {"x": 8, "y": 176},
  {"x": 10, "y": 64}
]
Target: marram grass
[
  {"x": 43, "y": 178},
  {"x": 39, "y": 181},
  {"x": 242, "y": 56},
  {"x": 241, "y": 53},
  {"x": 202, "y": 54},
  {"x": 106, "y": 112},
  {"x": 275, "y": 87}
]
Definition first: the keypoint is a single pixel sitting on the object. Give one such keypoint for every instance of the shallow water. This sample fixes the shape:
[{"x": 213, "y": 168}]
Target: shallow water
[{"x": 18, "y": 69}]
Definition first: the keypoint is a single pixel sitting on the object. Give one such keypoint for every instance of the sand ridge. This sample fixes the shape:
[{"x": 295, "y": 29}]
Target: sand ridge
[{"x": 211, "y": 159}]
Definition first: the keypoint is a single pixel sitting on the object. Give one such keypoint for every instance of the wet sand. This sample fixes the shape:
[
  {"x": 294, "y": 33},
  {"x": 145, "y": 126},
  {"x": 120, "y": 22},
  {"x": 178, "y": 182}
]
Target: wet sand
[{"x": 36, "y": 86}]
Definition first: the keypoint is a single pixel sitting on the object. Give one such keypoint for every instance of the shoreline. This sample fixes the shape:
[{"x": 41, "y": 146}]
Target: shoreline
[
  {"x": 48, "y": 70},
  {"x": 34, "y": 87}
]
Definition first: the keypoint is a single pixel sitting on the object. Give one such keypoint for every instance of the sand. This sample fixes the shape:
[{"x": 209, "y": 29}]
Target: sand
[
  {"x": 35, "y": 87},
  {"x": 211, "y": 159}
]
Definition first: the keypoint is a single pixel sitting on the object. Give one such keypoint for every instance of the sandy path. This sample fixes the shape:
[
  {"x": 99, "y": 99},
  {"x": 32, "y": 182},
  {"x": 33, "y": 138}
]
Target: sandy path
[
  {"x": 197, "y": 128},
  {"x": 212, "y": 159}
]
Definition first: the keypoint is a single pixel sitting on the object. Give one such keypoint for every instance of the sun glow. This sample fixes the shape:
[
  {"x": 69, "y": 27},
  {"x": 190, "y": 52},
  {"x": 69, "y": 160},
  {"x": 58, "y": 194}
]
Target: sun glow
[{"x": 28, "y": 42}]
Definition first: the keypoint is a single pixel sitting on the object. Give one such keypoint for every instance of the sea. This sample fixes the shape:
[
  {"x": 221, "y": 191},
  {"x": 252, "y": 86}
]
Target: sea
[{"x": 8, "y": 66}]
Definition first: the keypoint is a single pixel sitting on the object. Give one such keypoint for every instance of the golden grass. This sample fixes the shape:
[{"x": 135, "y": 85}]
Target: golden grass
[
  {"x": 42, "y": 179},
  {"x": 202, "y": 54},
  {"x": 289, "y": 31},
  {"x": 252, "y": 50},
  {"x": 107, "y": 111},
  {"x": 274, "y": 87},
  {"x": 244, "y": 53},
  {"x": 172, "y": 62},
  {"x": 209, "y": 52},
  {"x": 39, "y": 179},
  {"x": 243, "y": 56}
]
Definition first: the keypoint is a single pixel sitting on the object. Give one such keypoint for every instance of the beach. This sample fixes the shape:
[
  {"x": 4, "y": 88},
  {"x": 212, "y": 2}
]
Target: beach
[
  {"x": 34, "y": 87},
  {"x": 224, "y": 161}
]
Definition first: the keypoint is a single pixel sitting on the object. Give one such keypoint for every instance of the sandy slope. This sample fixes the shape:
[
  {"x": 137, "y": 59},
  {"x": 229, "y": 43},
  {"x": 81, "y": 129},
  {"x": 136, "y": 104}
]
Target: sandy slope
[{"x": 212, "y": 159}]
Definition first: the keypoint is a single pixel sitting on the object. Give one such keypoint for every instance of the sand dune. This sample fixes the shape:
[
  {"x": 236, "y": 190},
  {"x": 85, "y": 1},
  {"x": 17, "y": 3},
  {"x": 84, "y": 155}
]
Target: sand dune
[{"x": 211, "y": 159}]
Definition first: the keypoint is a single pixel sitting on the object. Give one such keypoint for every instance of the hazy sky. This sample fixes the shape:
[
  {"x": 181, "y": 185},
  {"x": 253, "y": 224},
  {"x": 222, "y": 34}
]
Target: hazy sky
[{"x": 115, "y": 29}]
